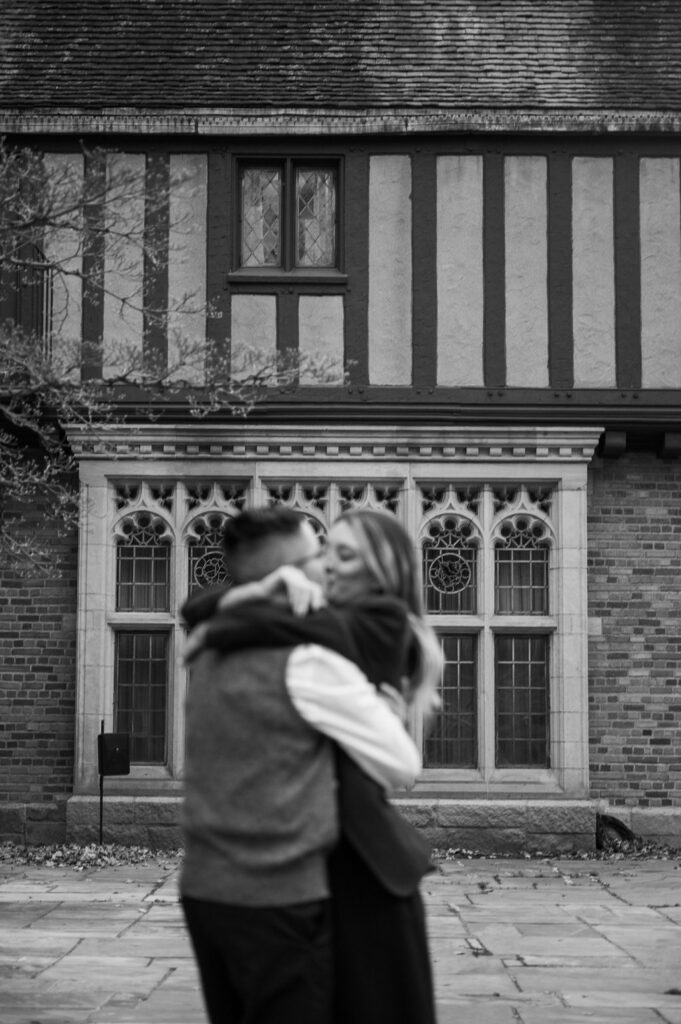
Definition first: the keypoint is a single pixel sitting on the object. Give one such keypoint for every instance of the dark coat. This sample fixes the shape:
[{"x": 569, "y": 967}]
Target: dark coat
[{"x": 374, "y": 633}]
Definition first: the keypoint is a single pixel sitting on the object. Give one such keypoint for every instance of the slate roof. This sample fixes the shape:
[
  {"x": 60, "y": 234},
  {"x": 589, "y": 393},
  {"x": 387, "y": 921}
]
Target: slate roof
[{"x": 352, "y": 54}]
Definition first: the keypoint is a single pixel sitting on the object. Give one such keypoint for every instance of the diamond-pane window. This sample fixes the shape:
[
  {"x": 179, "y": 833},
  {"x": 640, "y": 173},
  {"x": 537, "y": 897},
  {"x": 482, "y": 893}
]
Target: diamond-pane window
[
  {"x": 289, "y": 215},
  {"x": 315, "y": 217},
  {"x": 261, "y": 216}
]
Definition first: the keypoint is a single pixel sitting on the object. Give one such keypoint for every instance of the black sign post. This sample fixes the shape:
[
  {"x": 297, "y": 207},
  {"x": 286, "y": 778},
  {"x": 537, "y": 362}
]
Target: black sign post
[{"x": 113, "y": 758}]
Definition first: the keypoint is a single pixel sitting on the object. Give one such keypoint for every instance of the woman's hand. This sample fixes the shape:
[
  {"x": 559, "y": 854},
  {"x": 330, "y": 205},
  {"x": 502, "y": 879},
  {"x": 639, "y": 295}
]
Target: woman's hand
[
  {"x": 241, "y": 594},
  {"x": 302, "y": 594}
]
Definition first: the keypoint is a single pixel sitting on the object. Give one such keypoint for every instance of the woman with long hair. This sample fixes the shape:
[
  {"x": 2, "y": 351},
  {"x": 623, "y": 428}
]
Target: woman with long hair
[{"x": 373, "y": 614}]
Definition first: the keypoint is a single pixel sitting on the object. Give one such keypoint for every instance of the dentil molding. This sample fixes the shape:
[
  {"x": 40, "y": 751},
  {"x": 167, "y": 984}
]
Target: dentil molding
[{"x": 241, "y": 441}]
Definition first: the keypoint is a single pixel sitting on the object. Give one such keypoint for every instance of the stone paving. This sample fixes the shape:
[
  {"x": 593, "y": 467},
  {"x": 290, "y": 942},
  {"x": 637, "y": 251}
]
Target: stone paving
[{"x": 512, "y": 941}]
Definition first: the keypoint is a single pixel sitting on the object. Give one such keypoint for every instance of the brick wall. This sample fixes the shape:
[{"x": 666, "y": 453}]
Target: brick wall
[
  {"x": 634, "y": 579},
  {"x": 38, "y": 689}
]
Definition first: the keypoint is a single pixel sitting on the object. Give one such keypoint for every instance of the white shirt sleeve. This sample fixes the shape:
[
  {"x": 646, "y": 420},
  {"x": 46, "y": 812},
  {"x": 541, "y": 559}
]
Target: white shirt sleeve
[{"x": 335, "y": 697}]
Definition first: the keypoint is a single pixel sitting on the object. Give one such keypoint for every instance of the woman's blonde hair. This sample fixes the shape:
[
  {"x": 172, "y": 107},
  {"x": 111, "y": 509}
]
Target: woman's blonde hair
[{"x": 389, "y": 556}]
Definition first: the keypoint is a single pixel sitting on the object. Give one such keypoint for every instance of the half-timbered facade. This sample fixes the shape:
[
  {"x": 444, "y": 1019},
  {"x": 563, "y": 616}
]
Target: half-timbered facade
[{"x": 476, "y": 210}]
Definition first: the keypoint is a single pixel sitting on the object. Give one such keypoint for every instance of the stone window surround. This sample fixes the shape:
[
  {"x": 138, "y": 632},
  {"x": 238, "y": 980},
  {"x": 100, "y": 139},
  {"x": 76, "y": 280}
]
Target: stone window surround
[
  {"x": 485, "y": 623},
  {"x": 554, "y": 456}
]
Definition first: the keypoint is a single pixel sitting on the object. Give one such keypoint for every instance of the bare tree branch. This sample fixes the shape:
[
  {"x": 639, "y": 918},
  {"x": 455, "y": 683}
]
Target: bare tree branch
[{"x": 109, "y": 213}]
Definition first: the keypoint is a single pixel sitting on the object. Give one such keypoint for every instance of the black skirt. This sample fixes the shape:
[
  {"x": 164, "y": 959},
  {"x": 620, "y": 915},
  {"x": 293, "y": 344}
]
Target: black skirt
[{"x": 382, "y": 965}]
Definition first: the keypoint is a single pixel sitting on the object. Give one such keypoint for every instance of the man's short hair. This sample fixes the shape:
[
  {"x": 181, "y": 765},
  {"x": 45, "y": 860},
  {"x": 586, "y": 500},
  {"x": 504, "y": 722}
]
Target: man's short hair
[{"x": 243, "y": 532}]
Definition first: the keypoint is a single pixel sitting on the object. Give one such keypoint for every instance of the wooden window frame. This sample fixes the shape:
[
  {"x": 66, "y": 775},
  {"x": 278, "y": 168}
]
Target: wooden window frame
[{"x": 288, "y": 271}]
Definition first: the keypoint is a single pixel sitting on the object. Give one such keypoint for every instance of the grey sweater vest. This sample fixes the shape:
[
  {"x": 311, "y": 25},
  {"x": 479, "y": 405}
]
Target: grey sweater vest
[{"x": 260, "y": 811}]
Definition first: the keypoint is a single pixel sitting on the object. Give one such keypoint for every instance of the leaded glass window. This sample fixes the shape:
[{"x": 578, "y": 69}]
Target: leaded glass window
[
  {"x": 450, "y": 566},
  {"x": 289, "y": 215},
  {"x": 450, "y": 739},
  {"x": 141, "y": 693},
  {"x": 142, "y": 564},
  {"x": 261, "y": 189},
  {"x": 521, "y": 701},
  {"x": 315, "y": 217}
]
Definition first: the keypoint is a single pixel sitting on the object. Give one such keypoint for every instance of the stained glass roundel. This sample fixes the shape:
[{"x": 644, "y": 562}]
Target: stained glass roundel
[
  {"x": 449, "y": 573},
  {"x": 210, "y": 571}
]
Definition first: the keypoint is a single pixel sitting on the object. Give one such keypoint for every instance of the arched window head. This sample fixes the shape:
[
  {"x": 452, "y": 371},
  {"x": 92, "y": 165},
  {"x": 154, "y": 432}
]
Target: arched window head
[
  {"x": 143, "y": 549},
  {"x": 521, "y": 560},
  {"x": 206, "y": 565},
  {"x": 450, "y": 548}
]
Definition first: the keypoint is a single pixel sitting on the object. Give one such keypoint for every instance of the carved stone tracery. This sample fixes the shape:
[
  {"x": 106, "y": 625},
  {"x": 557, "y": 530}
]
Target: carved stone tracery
[{"x": 204, "y": 548}]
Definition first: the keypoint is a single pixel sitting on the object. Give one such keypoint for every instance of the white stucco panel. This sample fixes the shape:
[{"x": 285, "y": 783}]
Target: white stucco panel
[
  {"x": 124, "y": 261},
  {"x": 390, "y": 270},
  {"x": 64, "y": 251},
  {"x": 254, "y": 332},
  {"x": 187, "y": 263},
  {"x": 460, "y": 294},
  {"x": 593, "y": 272},
  {"x": 320, "y": 336},
  {"x": 660, "y": 273},
  {"x": 527, "y": 348}
]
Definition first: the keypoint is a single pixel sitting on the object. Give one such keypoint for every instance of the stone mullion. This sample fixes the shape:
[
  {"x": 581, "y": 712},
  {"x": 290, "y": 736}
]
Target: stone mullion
[
  {"x": 486, "y": 695},
  {"x": 257, "y": 489},
  {"x": 413, "y": 520}
]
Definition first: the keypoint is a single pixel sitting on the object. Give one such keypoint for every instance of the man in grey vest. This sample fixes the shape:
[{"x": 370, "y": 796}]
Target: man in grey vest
[{"x": 260, "y": 813}]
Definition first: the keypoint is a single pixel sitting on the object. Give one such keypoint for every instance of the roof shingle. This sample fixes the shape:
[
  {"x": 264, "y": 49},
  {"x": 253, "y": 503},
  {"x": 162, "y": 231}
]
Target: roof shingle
[{"x": 352, "y": 54}]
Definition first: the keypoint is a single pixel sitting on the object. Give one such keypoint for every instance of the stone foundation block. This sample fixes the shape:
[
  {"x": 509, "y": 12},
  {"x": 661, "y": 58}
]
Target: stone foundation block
[
  {"x": 129, "y": 821},
  {"x": 490, "y": 840},
  {"x": 152, "y": 811},
  {"x": 506, "y": 826},
  {"x": 660, "y": 825},
  {"x": 82, "y": 811},
  {"x": 420, "y": 814},
  {"x": 436, "y": 838},
  {"x": 12, "y": 821},
  {"x": 501, "y": 826},
  {"x": 564, "y": 817},
  {"x": 45, "y": 833},
  {"x": 557, "y": 843},
  {"x": 34, "y": 824},
  {"x": 481, "y": 814},
  {"x": 117, "y": 811},
  {"x": 125, "y": 835},
  {"x": 16, "y": 838},
  {"x": 164, "y": 838},
  {"x": 46, "y": 812}
]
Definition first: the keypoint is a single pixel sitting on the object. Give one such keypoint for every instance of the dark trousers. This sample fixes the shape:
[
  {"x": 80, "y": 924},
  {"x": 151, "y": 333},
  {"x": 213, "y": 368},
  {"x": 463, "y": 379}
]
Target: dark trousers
[
  {"x": 263, "y": 965},
  {"x": 382, "y": 962}
]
